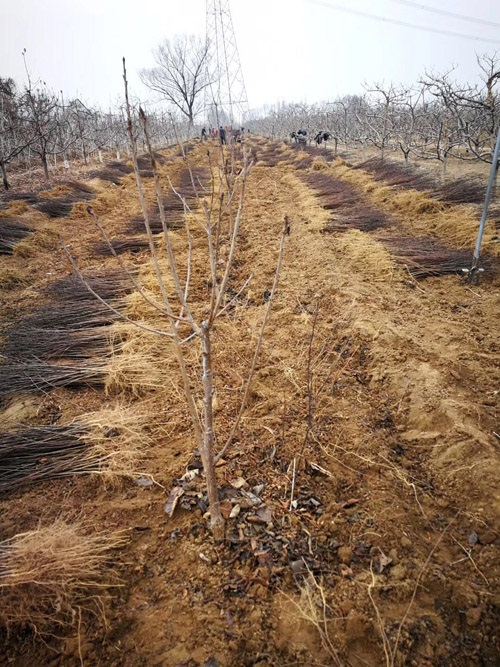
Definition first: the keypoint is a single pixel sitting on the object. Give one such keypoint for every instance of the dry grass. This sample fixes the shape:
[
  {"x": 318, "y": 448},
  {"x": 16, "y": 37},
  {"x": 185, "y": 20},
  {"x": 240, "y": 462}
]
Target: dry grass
[
  {"x": 11, "y": 278},
  {"x": 410, "y": 202},
  {"x": 459, "y": 227},
  {"x": 42, "y": 239},
  {"x": 56, "y": 193},
  {"x": 367, "y": 256},
  {"x": 116, "y": 438},
  {"x": 319, "y": 164},
  {"x": 314, "y": 608},
  {"x": 16, "y": 208},
  {"x": 49, "y": 575},
  {"x": 141, "y": 363},
  {"x": 317, "y": 216}
]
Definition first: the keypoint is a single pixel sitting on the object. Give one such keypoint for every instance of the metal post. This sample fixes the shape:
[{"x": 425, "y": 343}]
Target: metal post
[{"x": 489, "y": 190}]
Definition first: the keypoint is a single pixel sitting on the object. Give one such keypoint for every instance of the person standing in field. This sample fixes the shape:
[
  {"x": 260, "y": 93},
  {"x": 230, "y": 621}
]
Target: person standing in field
[
  {"x": 222, "y": 134},
  {"x": 204, "y": 134}
]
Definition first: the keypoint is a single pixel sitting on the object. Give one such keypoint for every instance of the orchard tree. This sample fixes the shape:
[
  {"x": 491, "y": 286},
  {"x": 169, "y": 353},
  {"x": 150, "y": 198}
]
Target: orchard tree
[{"x": 14, "y": 138}]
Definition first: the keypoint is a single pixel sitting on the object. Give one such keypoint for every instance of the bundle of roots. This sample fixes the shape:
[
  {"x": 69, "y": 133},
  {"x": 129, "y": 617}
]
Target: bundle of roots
[
  {"x": 84, "y": 191},
  {"x": 465, "y": 190},
  {"x": 12, "y": 231},
  {"x": 112, "y": 172},
  {"x": 49, "y": 575},
  {"x": 74, "y": 331},
  {"x": 145, "y": 166},
  {"x": 24, "y": 341},
  {"x": 192, "y": 182},
  {"x": 59, "y": 203},
  {"x": 174, "y": 217},
  {"x": 185, "y": 150},
  {"x": 120, "y": 167},
  {"x": 75, "y": 327},
  {"x": 304, "y": 163},
  {"x": 272, "y": 154},
  {"x": 65, "y": 316},
  {"x": 106, "y": 174}
]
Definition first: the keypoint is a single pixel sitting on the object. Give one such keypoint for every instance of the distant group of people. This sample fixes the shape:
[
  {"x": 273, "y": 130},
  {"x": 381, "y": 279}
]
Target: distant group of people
[
  {"x": 322, "y": 136},
  {"x": 224, "y": 134},
  {"x": 300, "y": 137}
]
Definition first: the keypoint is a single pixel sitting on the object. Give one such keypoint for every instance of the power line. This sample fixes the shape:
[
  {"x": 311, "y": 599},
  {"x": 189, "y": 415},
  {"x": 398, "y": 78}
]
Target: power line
[
  {"x": 384, "y": 19},
  {"x": 445, "y": 12}
]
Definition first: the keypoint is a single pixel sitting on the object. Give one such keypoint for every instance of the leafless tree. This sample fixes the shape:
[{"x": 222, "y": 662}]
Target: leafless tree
[
  {"x": 180, "y": 75},
  {"x": 13, "y": 137},
  {"x": 180, "y": 320},
  {"x": 471, "y": 114},
  {"x": 381, "y": 118},
  {"x": 408, "y": 117}
]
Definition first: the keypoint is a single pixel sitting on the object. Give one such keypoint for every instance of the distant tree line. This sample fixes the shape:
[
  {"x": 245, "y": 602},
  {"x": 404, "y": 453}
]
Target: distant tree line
[
  {"x": 38, "y": 126},
  {"x": 435, "y": 119}
]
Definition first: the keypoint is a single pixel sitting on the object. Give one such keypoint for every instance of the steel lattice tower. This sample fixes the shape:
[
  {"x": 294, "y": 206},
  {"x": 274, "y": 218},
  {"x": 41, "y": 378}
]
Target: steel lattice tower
[{"x": 226, "y": 99}]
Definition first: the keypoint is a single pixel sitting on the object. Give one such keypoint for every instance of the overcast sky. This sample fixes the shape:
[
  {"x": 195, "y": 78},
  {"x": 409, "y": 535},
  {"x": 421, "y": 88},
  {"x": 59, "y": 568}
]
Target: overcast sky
[{"x": 291, "y": 50}]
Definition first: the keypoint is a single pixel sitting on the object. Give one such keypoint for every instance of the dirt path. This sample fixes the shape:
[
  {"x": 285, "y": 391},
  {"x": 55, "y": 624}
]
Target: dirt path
[{"x": 376, "y": 400}]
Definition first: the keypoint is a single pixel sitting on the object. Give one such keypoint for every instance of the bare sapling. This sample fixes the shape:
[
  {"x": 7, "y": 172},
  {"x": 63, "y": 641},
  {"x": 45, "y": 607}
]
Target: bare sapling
[
  {"x": 187, "y": 321},
  {"x": 219, "y": 222}
]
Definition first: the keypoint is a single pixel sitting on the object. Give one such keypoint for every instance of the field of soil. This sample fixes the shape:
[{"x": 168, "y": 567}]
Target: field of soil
[{"x": 361, "y": 490}]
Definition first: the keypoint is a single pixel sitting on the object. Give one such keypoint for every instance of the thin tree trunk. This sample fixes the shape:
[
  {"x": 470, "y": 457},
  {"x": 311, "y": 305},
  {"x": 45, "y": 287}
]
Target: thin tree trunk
[
  {"x": 444, "y": 168},
  {"x": 45, "y": 166},
  {"x": 207, "y": 452},
  {"x": 5, "y": 180}
]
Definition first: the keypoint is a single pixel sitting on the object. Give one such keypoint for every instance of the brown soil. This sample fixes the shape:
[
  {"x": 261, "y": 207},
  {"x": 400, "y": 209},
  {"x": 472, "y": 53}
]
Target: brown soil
[{"x": 371, "y": 439}]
